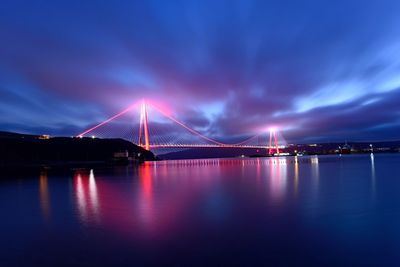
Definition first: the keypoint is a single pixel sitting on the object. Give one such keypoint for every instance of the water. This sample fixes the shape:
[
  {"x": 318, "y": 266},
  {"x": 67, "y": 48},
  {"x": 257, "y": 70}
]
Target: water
[{"x": 321, "y": 211}]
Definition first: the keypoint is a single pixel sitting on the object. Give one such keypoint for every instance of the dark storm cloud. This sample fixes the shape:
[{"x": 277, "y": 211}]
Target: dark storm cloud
[{"x": 225, "y": 67}]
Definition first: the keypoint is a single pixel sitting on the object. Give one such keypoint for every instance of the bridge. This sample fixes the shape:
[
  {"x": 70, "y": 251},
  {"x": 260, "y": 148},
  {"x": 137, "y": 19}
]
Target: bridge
[{"x": 166, "y": 132}]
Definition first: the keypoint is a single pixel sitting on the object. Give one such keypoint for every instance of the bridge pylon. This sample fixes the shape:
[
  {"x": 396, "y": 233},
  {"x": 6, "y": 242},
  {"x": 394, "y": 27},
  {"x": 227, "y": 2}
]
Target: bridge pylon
[
  {"x": 144, "y": 128},
  {"x": 273, "y": 142}
]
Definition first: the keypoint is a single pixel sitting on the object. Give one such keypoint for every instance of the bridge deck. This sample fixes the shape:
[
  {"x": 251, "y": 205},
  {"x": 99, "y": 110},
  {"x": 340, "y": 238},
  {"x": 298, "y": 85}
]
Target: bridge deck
[{"x": 212, "y": 146}]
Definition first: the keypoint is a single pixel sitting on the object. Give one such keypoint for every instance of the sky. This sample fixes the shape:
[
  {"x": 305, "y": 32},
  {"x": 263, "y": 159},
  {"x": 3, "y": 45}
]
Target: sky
[{"x": 317, "y": 70}]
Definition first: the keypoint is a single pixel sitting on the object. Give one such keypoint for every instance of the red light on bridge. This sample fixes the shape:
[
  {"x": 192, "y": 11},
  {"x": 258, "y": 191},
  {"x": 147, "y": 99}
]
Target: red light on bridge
[{"x": 145, "y": 140}]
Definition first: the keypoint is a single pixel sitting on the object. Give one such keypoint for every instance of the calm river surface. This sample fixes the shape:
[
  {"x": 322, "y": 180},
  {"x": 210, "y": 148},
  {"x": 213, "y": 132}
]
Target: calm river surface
[{"x": 313, "y": 211}]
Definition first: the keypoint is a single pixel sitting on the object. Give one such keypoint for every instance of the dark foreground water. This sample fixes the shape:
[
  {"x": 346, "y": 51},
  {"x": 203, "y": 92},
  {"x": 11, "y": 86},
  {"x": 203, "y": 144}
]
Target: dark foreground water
[{"x": 314, "y": 211}]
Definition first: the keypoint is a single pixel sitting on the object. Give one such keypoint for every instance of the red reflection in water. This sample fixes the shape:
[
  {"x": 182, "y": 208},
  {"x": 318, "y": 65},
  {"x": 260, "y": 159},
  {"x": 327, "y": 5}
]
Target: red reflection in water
[
  {"x": 278, "y": 177},
  {"x": 112, "y": 204},
  {"x": 146, "y": 180},
  {"x": 158, "y": 199},
  {"x": 145, "y": 201},
  {"x": 177, "y": 185}
]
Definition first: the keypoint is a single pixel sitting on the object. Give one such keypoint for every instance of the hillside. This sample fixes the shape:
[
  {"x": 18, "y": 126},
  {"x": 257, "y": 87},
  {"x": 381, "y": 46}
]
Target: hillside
[{"x": 19, "y": 149}]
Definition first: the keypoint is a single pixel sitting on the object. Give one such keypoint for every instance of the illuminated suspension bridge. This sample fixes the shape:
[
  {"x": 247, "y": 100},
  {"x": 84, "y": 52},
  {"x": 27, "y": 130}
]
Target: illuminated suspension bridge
[{"x": 166, "y": 132}]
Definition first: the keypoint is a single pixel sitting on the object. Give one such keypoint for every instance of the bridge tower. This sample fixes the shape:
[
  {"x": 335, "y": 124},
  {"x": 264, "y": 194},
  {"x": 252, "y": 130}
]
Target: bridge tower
[
  {"x": 273, "y": 141},
  {"x": 144, "y": 128}
]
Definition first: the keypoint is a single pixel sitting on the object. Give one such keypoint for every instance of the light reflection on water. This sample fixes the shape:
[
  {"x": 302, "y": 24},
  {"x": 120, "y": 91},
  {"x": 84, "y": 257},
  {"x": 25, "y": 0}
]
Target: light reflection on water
[
  {"x": 86, "y": 197},
  {"x": 146, "y": 195},
  {"x": 296, "y": 176},
  {"x": 44, "y": 196},
  {"x": 373, "y": 175},
  {"x": 255, "y": 207},
  {"x": 315, "y": 174},
  {"x": 165, "y": 189},
  {"x": 278, "y": 178}
]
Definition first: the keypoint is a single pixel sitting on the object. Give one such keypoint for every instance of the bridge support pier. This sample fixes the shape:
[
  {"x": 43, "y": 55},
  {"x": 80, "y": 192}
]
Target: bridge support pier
[
  {"x": 144, "y": 128},
  {"x": 273, "y": 138}
]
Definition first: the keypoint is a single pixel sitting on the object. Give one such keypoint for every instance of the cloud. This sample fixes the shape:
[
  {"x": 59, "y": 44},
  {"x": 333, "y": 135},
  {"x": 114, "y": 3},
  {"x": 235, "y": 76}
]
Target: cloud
[{"x": 227, "y": 68}]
